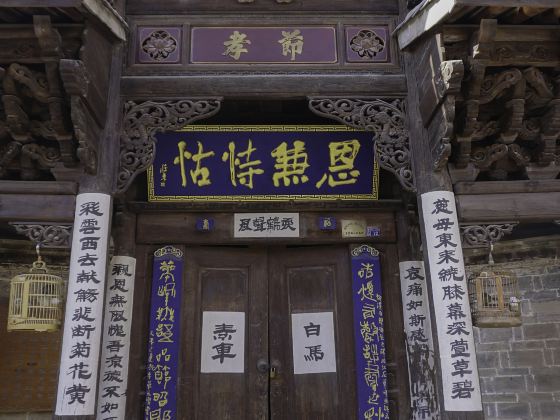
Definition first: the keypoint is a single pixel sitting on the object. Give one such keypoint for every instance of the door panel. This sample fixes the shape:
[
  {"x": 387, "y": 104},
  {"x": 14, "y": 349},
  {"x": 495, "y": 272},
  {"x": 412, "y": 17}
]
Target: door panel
[
  {"x": 225, "y": 279},
  {"x": 312, "y": 279},
  {"x": 269, "y": 284}
]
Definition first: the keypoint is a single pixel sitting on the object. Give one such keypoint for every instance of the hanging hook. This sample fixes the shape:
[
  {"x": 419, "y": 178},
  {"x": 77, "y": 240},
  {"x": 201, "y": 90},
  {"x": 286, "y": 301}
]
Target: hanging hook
[
  {"x": 38, "y": 250},
  {"x": 490, "y": 256}
]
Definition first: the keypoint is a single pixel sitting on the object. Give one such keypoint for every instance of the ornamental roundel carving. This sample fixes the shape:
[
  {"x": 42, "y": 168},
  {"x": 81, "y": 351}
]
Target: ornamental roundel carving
[
  {"x": 367, "y": 44},
  {"x": 159, "y": 45}
]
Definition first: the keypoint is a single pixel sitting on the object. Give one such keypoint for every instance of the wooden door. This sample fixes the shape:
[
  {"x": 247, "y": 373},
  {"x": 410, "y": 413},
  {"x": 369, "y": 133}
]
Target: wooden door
[
  {"x": 231, "y": 280},
  {"x": 268, "y": 285},
  {"x": 304, "y": 280}
]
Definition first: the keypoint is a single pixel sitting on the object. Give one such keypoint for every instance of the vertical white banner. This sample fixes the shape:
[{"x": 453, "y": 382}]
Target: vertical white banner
[
  {"x": 223, "y": 342},
  {"x": 461, "y": 389},
  {"x": 313, "y": 343},
  {"x": 419, "y": 342},
  {"x": 113, "y": 378},
  {"x": 77, "y": 381}
]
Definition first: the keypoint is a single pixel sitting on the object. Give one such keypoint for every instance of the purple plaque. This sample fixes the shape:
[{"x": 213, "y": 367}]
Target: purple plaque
[
  {"x": 165, "y": 332},
  {"x": 369, "y": 336},
  {"x": 281, "y": 45}
]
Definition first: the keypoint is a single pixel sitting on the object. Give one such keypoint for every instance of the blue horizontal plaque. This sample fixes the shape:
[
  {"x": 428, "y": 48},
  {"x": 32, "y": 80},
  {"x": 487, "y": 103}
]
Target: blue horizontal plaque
[{"x": 255, "y": 163}]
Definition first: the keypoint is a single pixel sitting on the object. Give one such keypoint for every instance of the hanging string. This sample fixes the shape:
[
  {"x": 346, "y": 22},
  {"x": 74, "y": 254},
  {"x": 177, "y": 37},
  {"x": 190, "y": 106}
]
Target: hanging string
[
  {"x": 490, "y": 256},
  {"x": 38, "y": 250}
]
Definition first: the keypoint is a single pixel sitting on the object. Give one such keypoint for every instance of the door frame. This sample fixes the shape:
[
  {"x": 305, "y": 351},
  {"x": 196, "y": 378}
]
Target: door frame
[{"x": 153, "y": 226}]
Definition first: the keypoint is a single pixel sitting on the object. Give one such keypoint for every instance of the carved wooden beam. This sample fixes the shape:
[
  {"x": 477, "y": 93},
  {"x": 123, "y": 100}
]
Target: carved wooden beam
[
  {"x": 484, "y": 235},
  {"x": 45, "y": 235},
  {"x": 75, "y": 78},
  {"x": 142, "y": 121},
  {"x": 385, "y": 119}
]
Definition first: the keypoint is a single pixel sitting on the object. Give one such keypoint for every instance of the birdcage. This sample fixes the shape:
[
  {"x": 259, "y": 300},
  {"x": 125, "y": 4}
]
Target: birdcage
[
  {"x": 494, "y": 298},
  {"x": 35, "y": 300}
]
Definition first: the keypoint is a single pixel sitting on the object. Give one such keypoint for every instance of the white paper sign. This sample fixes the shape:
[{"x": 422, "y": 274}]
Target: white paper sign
[
  {"x": 77, "y": 381},
  {"x": 266, "y": 225},
  {"x": 113, "y": 379},
  {"x": 313, "y": 343},
  {"x": 459, "y": 372},
  {"x": 420, "y": 345},
  {"x": 223, "y": 342}
]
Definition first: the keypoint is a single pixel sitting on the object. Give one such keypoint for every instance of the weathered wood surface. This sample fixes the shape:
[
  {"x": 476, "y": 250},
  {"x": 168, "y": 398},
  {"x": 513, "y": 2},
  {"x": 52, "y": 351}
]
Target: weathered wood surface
[
  {"x": 138, "y": 358},
  {"x": 528, "y": 207},
  {"x": 315, "y": 279},
  {"x": 397, "y": 378},
  {"x": 259, "y": 85},
  {"x": 507, "y": 187},
  {"x": 222, "y": 279},
  {"x": 427, "y": 180},
  {"x": 39, "y": 187},
  {"x": 248, "y": 6},
  {"x": 181, "y": 228},
  {"x": 37, "y": 208}
]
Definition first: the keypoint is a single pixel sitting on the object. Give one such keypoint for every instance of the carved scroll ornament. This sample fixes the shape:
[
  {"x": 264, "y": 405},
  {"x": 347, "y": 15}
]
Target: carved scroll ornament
[
  {"x": 484, "y": 235},
  {"x": 385, "y": 119},
  {"x": 45, "y": 235},
  {"x": 142, "y": 121}
]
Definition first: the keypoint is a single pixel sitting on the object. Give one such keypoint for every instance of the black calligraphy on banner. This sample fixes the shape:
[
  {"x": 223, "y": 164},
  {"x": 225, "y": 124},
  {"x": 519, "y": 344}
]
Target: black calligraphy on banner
[
  {"x": 113, "y": 378},
  {"x": 454, "y": 327},
  {"x": 82, "y": 328},
  {"x": 420, "y": 348}
]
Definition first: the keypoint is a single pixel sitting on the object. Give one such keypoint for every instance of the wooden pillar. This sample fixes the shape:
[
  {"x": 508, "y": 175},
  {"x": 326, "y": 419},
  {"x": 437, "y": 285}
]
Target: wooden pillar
[
  {"x": 78, "y": 375},
  {"x": 429, "y": 178}
]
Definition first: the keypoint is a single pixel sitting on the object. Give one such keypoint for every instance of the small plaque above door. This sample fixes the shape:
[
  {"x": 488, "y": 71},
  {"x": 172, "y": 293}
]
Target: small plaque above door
[{"x": 266, "y": 225}]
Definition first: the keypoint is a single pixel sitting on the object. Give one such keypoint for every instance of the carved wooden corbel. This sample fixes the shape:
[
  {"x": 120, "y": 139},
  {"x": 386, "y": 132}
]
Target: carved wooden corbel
[
  {"x": 50, "y": 43},
  {"x": 55, "y": 235},
  {"x": 385, "y": 119},
  {"x": 75, "y": 78},
  {"x": 448, "y": 83},
  {"x": 484, "y": 235},
  {"x": 142, "y": 121}
]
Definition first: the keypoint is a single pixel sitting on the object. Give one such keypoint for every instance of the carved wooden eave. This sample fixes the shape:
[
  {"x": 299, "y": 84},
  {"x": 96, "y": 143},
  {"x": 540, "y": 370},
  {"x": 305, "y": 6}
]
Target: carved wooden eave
[
  {"x": 490, "y": 99},
  {"x": 430, "y": 14},
  {"x": 484, "y": 235},
  {"x": 52, "y": 235},
  {"x": 106, "y": 13},
  {"x": 386, "y": 119},
  {"x": 54, "y": 93},
  {"x": 509, "y": 118},
  {"x": 143, "y": 120}
]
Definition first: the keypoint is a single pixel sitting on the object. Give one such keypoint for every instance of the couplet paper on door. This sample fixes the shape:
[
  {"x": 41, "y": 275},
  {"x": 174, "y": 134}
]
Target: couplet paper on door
[
  {"x": 164, "y": 338},
  {"x": 313, "y": 343},
  {"x": 223, "y": 342},
  {"x": 369, "y": 336}
]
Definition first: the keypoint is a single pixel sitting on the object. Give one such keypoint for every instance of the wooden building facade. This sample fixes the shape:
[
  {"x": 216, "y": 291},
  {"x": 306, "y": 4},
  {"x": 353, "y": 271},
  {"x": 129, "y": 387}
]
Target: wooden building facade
[{"x": 281, "y": 209}]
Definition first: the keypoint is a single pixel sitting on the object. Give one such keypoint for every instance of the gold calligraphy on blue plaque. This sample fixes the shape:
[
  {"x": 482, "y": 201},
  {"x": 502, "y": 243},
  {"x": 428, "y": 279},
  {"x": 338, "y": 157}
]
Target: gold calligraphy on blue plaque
[{"x": 264, "y": 163}]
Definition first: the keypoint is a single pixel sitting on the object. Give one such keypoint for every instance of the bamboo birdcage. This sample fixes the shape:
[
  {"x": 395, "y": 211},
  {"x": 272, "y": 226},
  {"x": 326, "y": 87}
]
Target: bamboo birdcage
[
  {"x": 494, "y": 297},
  {"x": 36, "y": 300}
]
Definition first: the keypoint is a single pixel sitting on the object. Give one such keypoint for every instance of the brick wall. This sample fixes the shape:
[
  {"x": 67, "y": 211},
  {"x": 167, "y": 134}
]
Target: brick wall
[{"x": 520, "y": 367}]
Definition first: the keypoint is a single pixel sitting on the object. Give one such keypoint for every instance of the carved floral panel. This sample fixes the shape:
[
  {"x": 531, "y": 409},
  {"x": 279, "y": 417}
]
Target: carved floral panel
[
  {"x": 159, "y": 45},
  {"x": 367, "y": 44}
]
